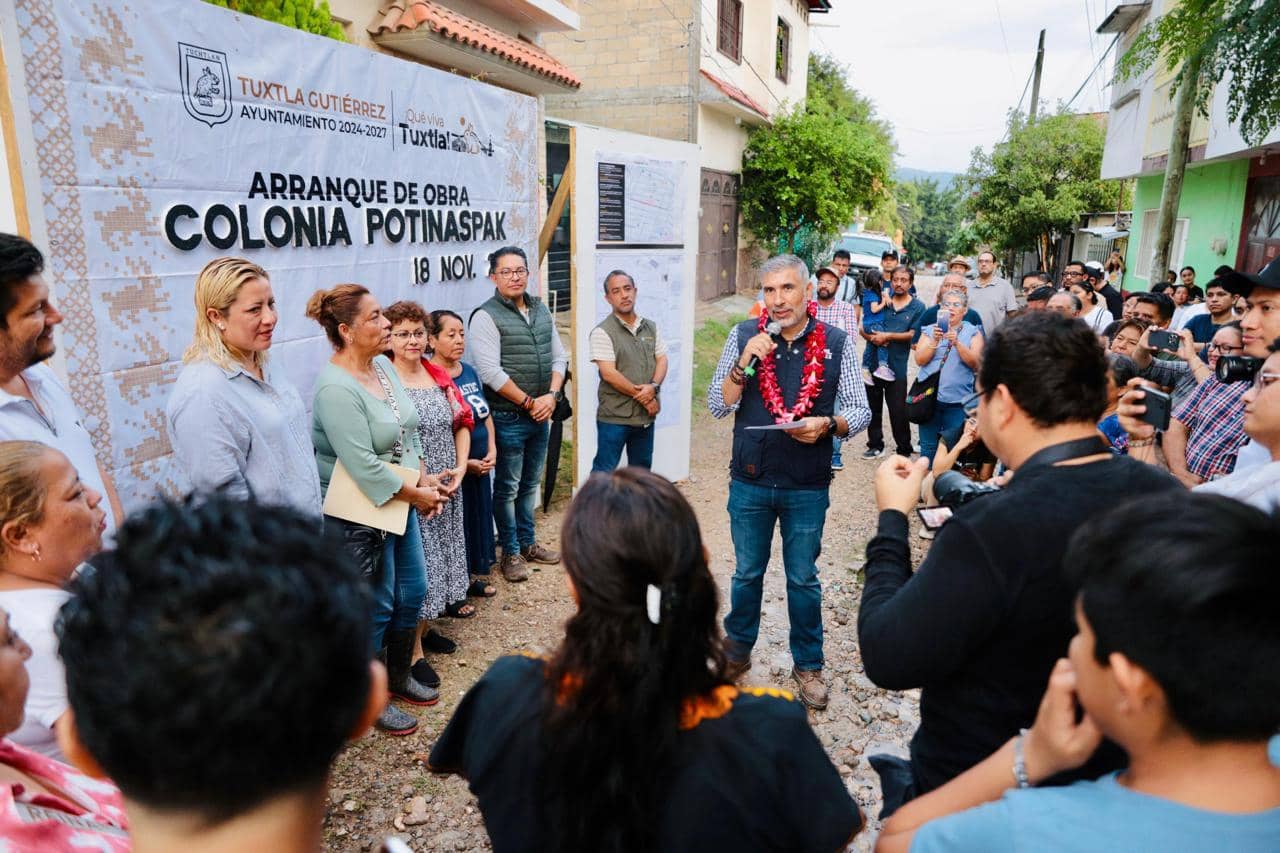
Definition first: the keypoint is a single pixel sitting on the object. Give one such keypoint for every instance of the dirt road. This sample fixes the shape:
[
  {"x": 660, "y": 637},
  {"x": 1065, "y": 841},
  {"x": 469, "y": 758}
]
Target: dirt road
[{"x": 380, "y": 786}]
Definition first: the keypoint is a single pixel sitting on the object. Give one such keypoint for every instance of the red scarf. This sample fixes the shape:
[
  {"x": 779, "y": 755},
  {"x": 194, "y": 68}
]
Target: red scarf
[{"x": 462, "y": 414}]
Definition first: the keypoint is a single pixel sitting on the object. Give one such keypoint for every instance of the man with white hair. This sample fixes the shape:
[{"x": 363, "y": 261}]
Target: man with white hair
[{"x": 781, "y": 477}]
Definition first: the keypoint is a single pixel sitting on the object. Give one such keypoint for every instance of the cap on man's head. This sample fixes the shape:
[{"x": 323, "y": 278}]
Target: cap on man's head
[
  {"x": 1094, "y": 269},
  {"x": 829, "y": 271},
  {"x": 961, "y": 260},
  {"x": 889, "y": 253},
  {"x": 1241, "y": 284}
]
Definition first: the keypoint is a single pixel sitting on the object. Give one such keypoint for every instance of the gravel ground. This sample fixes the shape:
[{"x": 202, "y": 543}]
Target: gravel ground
[{"x": 380, "y": 786}]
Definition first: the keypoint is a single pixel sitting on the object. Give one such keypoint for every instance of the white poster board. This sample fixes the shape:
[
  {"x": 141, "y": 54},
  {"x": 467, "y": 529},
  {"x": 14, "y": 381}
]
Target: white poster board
[
  {"x": 635, "y": 208},
  {"x": 158, "y": 135}
]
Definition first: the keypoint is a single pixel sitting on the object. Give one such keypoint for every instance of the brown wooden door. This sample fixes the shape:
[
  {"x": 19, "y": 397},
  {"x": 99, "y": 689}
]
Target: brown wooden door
[
  {"x": 1261, "y": 243},
  {"x": 718, "y": 235}
]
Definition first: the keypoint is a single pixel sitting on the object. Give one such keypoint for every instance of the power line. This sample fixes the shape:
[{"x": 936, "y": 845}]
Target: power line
[
  {"x": 1101, "y": 59},
  {"x": 1007, "y": 55}
]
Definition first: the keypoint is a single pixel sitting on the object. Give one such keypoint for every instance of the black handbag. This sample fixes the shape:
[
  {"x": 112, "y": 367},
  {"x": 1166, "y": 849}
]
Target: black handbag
[
  {"x": 922, "y": 396},
  {"x": 364, "y": 545}
]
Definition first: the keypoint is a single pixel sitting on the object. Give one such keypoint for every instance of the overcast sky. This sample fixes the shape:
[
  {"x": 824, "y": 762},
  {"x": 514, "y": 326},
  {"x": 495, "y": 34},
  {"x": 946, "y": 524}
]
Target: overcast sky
[{"x": 940, "y": 72}]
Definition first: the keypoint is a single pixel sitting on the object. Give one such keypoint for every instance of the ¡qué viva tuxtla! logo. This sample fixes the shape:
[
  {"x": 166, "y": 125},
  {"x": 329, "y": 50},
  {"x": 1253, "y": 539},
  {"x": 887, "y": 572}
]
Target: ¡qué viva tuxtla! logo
[{"x": 206, "y": 83}]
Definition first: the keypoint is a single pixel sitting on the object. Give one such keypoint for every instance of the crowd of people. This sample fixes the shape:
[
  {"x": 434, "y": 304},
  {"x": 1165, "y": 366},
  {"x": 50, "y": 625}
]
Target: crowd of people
[{"x": 1093, "y": 641}]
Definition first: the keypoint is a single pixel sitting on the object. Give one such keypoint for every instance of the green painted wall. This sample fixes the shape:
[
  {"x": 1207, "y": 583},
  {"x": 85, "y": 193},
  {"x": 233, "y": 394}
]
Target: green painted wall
[{"x": 1213, "y": 202}]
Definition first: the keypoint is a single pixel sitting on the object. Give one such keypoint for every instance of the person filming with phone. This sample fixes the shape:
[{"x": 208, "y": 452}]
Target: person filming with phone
[
  {"x": 1255, "y": 475},
  {"x": 792, "y": 384},
  {"x": 981, "y": 622}
]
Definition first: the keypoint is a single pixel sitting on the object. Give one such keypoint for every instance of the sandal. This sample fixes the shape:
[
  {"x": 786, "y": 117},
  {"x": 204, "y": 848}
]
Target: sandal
[
  {"x": 459, "y": 610},
  {"x": 425, "y": 674},
  {"x": 481, "y": 588},
  {"x": 433, "y": 642}
]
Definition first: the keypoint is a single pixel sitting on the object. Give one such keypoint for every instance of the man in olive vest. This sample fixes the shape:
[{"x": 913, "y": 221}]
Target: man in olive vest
[
  {"x": 514, "y": 346},
  {"x": 632, "y": 358}
]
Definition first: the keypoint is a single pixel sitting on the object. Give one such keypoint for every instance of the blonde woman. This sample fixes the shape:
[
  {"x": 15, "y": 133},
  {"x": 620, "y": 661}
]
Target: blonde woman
[{"x": 235, "y": 422}]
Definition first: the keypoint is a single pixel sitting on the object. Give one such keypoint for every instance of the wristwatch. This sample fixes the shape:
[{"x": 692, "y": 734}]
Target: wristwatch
[
  {"x": 832, "y": 426},
  {"x": 558, "y": 396},
  {"x": 657, "y": 387}
]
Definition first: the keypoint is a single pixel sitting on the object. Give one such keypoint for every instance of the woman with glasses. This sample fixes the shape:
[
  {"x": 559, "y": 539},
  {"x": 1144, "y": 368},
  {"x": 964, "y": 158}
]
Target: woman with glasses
[
  {"x": 952, "y": 346},
  {"x": 444, "y": 428}
]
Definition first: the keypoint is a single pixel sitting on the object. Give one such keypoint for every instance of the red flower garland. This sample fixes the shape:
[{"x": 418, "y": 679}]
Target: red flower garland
[{"x": 815, "y": 349}]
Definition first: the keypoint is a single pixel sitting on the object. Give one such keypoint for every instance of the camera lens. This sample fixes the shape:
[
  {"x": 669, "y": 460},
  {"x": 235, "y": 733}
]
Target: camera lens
[{"x": 1237, "y": 368}]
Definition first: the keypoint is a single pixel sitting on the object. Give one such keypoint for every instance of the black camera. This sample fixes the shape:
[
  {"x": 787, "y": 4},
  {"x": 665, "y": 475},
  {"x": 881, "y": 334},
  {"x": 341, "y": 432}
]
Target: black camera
[
  {"x": 953, "y": 489},
  {"x": 1238, "y": 368}
]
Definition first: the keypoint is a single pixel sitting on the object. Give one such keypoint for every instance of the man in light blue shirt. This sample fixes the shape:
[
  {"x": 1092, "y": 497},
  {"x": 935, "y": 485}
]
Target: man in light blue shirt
[
  {"x": 34, "y": 405},
  {"x": 1174, "y": 661}
]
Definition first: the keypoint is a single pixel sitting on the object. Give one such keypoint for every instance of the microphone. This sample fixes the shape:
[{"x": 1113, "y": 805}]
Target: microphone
[{"x": 773, "y": 329}]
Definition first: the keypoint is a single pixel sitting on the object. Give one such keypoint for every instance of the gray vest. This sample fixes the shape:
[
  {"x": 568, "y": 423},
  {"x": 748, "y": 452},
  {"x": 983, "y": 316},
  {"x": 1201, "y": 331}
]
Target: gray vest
[
  {"x": 526, "y": 347},
  {"x": 635, "y": 356}
]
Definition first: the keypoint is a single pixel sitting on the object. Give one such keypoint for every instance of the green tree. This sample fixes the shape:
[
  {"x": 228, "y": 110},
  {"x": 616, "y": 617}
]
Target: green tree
[
  {"x": 963, "y": 241},
  {"x": 937, "y": 216},
  {"x": 1035, "y": 185},
  {"x": 805, "y": 176},
  {"x": 305, "y": 15},
  {"x": 1242, "y": 36}
]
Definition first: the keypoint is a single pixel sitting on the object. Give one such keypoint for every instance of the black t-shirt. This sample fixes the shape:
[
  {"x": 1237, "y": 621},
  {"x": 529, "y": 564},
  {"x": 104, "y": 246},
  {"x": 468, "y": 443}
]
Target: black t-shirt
[
  {"x": 753, "y": 778},
  {"x": 981, "y": 623}
]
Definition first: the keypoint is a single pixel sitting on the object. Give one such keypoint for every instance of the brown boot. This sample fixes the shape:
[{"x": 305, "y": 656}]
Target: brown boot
[
  {"x": 735, "y": 669},
  {"x": 514, "y": 568},
  {"x": 536, "y": 553},
  {"x": 813, "y": 690}
]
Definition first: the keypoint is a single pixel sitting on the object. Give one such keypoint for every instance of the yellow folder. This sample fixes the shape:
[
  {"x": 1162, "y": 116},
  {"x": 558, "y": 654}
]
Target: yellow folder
[{"x": 345, "y": 500}]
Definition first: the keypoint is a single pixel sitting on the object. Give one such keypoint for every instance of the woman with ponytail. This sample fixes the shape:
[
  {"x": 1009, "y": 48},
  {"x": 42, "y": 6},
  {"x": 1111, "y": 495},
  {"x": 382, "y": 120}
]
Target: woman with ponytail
[{"x": 630, "y": 736}]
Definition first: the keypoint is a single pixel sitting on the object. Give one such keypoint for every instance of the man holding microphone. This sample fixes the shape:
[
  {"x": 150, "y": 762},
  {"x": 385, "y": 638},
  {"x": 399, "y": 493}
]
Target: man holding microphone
[{"x": 792, "y": 383}]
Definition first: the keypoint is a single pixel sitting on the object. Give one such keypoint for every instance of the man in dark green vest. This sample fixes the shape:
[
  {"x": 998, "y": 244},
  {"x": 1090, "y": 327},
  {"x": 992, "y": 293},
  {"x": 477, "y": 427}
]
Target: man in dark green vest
[
  {"x": 514, "y": 346},
  {"x": 632, "y": 358}
]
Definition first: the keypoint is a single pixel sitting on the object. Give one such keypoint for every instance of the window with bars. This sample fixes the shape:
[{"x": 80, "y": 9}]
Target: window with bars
[
  {"x": 782, "y": 54},
  {"x": 729, "y": 41}
]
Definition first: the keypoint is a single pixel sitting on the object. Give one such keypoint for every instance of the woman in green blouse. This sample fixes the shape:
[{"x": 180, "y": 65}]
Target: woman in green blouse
[{"x": 362, "y": 416}]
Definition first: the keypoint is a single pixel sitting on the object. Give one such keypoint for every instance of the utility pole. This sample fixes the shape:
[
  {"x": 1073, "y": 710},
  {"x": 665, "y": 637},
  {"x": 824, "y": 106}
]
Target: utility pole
[
  {"x": 1035, "y": 80},
  {"x": 1176, "y": 167}
]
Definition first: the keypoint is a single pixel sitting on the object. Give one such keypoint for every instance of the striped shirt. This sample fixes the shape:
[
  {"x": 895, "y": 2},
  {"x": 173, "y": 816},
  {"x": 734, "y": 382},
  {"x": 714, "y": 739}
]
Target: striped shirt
[{"x": 1214, "y": 418}]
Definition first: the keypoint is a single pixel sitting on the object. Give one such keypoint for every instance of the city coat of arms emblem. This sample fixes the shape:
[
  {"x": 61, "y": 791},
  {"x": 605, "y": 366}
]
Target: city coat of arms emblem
[{"x": 205, "y": 80}]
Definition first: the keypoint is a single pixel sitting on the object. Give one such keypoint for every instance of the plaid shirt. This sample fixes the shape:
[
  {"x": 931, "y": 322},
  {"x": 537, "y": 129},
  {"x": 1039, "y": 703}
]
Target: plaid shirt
[
  {"x": 839, "y": 314},
  {"x": 1214, "y": 418}
]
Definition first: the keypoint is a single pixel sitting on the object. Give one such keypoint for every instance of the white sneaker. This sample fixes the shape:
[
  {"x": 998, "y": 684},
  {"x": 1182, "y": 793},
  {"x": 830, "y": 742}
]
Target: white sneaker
[
  {"x": 885, "y": 372},
  {"x": 866, "y": 377}
]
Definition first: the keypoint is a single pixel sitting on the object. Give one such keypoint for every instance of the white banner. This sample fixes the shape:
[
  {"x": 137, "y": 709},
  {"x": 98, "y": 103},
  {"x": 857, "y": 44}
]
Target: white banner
[{"x": 169, "y": 132}]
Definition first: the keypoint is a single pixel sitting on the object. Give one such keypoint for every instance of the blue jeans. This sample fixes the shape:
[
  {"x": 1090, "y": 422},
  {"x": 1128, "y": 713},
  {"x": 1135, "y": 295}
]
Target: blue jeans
[
  {"x": 398, "y": 594},
  {"x": 947, "y": 422},
  {"x": 801, "y": 513},
  {"x": 836, "y": 444},
  {"x": 611, "y": 438},
  {"x": 522, "y": 455}
]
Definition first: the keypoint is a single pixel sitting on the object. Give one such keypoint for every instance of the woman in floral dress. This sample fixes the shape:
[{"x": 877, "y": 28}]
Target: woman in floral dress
[{"x": 444, "y": 426}]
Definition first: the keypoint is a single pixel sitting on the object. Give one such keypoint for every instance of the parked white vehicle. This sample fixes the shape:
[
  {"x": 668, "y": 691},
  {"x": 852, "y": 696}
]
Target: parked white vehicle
[{"x": 865, "y": 249}]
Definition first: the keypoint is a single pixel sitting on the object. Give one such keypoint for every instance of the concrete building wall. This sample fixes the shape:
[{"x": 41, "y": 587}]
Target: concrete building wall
[
  {"x": 1212, "y": 202},
  {"x": 634, "y": 60},
  {"x": 754, "y": 73}
]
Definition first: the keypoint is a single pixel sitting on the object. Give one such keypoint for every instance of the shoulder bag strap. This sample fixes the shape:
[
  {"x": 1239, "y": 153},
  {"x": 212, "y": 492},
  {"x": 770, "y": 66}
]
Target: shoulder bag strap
[{"x": 397, "y": 450}]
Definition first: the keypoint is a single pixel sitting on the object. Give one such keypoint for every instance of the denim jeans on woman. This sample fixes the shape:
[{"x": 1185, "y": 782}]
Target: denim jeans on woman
[
  {"x": 801, "y": 514},
  {"x": 399, "y": 592},
  {"x": 947, "y": 422},
  {"x": 522, "y": 455}
]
